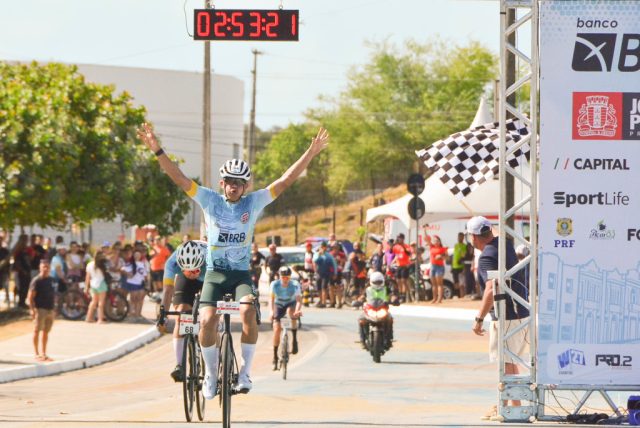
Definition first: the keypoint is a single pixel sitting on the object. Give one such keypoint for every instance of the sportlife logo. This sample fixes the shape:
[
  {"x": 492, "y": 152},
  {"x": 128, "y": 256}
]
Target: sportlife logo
[
  {"x": 606, "y": 116},
  {"x": 600, "y": 198},
  {"x": 596, "y": 52},
  {"x": 592, "y": 164},
  {"x": 615, "y": 361},
  {"x": 569, "y": 358},
  {"x": 231, "y": 238},
  {"x": 602, "y": 232}
]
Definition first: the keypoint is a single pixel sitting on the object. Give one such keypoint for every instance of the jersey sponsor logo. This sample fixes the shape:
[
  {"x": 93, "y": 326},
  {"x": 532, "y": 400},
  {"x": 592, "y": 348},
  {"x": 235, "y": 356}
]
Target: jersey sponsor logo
[
  {"x": 244, "y": 218},
  {"x": 231, "y": 238}
]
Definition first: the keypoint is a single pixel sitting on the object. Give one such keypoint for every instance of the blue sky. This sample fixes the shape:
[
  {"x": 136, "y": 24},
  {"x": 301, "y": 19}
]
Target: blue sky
[{"x": 291, "y": 75}]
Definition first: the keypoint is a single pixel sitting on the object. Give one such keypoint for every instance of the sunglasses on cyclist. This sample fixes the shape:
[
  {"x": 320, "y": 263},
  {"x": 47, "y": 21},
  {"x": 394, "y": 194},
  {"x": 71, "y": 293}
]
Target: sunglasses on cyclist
[{"x": 234, "y": 181}]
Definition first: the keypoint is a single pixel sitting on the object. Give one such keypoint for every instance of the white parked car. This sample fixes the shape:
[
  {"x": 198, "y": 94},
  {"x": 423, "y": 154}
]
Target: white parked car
[{"x": 292, "y": 256}]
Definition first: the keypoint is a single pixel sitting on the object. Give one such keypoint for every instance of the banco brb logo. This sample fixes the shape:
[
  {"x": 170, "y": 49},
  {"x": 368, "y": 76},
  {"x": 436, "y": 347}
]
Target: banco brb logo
[{"x": 596, "y": 52}]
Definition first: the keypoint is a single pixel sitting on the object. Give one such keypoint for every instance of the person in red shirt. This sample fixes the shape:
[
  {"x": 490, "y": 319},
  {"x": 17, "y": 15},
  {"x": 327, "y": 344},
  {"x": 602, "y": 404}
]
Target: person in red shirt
[
  {"x": 437, "y": 256},
  {"x": 159, "y": 254},
  {"x": 402, "y": 260}
]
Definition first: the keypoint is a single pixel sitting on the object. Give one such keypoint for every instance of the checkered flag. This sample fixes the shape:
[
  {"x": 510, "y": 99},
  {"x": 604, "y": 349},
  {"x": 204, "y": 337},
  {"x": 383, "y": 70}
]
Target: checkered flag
[{"x": 465, "y": 160}]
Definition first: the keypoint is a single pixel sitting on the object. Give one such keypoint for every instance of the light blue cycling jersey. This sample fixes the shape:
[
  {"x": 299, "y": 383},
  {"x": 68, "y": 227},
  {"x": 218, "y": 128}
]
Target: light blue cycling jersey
[
  {"x": 230, "y": 225},
  {"x": 285, "y": 295},
  {"x": 171, "y": 269}
]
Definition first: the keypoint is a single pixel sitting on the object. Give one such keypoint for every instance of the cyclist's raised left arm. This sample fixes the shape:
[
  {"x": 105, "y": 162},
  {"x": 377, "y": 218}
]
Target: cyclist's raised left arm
[{"x": 319, "y": 143}]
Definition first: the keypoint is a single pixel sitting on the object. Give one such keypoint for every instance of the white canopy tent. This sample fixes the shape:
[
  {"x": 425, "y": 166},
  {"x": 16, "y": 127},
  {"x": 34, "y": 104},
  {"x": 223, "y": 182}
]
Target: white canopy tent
[{"x": 440, "y": 203}]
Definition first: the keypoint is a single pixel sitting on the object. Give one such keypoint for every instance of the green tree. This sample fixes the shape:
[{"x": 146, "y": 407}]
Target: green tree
[
  {"x": 69, "y": 153},
  {"x": 401, "y": 101}
]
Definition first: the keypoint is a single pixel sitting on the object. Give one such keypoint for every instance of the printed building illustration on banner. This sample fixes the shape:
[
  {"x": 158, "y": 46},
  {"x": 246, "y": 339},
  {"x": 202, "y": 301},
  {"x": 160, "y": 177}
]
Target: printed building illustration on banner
[{"x": 583, "y": 304}]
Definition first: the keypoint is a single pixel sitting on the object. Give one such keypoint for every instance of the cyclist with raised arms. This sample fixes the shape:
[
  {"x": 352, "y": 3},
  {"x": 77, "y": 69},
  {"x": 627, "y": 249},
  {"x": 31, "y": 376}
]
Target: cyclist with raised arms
[
  {"x": 184, "y": 271},
  {"x": 285, "y": 297},
  {"x": 230, "y": 219}
]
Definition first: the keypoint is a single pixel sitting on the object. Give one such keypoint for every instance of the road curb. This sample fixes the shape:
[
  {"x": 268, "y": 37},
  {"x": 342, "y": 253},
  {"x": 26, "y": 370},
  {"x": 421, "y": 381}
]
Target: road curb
[
  {"x": 97, "y": 358},
  {"x": 434, "y": 312}
]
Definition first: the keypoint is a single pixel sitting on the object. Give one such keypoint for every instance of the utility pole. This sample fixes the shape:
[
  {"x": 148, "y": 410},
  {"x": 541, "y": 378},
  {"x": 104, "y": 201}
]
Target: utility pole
[
  {"x": 206, "y": 119},
  {"x": 252, "y": 120}
]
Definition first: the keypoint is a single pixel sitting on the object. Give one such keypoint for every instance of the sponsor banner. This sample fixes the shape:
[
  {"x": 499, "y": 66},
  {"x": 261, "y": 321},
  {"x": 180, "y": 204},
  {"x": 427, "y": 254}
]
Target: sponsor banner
[
  {"x": 599, "y": 364},
  {"x": 589, "y": 239}
]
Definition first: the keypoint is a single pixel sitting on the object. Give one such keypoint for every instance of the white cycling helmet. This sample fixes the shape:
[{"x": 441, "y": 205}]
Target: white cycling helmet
[
  {"x": 235, "y": 168},
  {"x": 191, "y": 255},
  {"x": 377, "y": 280}
]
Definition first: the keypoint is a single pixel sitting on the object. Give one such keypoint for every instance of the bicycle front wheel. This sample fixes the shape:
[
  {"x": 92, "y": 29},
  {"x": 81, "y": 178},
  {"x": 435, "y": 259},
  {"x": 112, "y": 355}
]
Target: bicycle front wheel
[
  {"x": 284, "y": 357},
  {"x": 188, "y": 370},
  {"x": 226, "y": 378},
  {"x": 116, "y": 307},
  {"x": 73, "y": 305},
  {"x": 200, "y": 401}
]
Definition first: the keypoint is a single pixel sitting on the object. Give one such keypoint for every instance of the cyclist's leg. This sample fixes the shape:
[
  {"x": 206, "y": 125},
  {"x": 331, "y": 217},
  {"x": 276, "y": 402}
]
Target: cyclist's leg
[
  {"x": 212, "y": 291},
  {"x": 246, "y": 292},
  {"x": 294, "y": 327},
  {"x": 277, "y": 332}
]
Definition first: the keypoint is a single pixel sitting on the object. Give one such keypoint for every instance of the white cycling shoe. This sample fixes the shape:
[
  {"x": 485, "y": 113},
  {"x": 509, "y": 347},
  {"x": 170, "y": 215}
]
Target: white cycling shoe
[
  {"x": 209, "y": 389},
  {"x": 244, "y": 384}
]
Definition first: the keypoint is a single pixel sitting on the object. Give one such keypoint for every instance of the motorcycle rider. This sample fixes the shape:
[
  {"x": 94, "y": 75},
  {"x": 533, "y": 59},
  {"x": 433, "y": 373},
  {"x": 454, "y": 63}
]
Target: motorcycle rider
[{"x": 377, "y": 290}]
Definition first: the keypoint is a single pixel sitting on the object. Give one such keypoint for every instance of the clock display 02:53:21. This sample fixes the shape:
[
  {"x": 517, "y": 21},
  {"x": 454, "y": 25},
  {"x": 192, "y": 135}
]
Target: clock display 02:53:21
[{"x": 217, "y": 24}]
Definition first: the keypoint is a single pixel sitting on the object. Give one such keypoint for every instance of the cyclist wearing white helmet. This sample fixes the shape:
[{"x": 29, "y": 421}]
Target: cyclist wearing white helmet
[
  {"x": 184, "y": 271},
  {"x": 230, "y": 219}
]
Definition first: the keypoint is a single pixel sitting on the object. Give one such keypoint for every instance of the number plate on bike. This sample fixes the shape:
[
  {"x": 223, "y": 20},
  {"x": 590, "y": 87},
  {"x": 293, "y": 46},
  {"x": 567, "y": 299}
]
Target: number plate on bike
[
  {"x": 231, "y": 308},
  {"x": 285, "y": 323},
  {"x": 186, "y": 325}
]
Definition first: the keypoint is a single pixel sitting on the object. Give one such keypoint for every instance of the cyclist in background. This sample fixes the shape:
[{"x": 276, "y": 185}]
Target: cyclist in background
[
  {"x": 183, "y": 272},
  {"x": 285, "y": 297},
  {"x": 230, "y": 218}
]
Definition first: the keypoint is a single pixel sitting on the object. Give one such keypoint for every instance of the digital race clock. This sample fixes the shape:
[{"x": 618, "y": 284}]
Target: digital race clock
[{"x": 251, "y": 24}]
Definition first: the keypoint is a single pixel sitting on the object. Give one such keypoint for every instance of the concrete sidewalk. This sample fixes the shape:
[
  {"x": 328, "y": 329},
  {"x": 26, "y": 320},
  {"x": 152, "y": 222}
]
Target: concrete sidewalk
[{"x": 72, "y": 345}]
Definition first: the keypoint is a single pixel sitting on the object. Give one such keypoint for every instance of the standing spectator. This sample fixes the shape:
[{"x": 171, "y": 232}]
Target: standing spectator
[
  {"x": 96, "y": 282},
  {"x": 357, "y": 260},
  {"x": 75, "y": 263},
  {"x": 159, "y": 255},
  {"x": 388, "y": 255},
  {"x": 59, "y": 268},
  {"x": 36, "y": 253},
  {"x": 437, "y": 256},
  {"x": 308, "y": 258},
  {"x": 52, "y": 250},
  {"x": 402, "y": 260},
  {"x": 521, "y": 252},
  {"x": 115, "y": 263},
  {"x": 21, "y": 269},
  {"x": 481, "y": 236},
  {"x": 135, "y": 271},
  {"x": 41, "y": 300},
  {"x": 273, "y": 262},
  {"x": 457, "y": 264},
  {"x": 376, "y": 261},
  {"x": 144, "y": 252},
  {"x": 255, "y": 265},
  {"x": 336, "y": 289},
  {"x": 332, "y": 240},
  {"x": 326, "y": 269},
  {"x": 469, "y": 269},
  {"x": 5, "y": 267},
  {"x": 186, "y": 238}
]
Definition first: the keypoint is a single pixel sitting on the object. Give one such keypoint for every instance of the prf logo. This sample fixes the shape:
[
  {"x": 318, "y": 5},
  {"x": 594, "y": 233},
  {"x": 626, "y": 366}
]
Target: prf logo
[
  {"x": 595, "y": 52},
  {"x": 570, "y": 357},
  {"x": 564, "y": 226},
  {"x": 597, "y": 115}
]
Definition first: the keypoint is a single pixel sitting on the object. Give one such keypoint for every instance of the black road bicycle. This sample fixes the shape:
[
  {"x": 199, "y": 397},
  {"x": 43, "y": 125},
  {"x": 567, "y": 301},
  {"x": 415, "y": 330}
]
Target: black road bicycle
[{"x": 192, "y": 359}]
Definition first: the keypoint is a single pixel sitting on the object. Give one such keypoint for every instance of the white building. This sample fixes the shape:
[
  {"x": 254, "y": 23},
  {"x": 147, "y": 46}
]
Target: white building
[{"x": 174, "y": 104}]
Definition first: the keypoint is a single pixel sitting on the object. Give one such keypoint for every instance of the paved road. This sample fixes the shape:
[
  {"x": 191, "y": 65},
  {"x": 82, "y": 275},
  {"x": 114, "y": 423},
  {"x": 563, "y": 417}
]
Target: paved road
[{"x": 437, "y": 374}]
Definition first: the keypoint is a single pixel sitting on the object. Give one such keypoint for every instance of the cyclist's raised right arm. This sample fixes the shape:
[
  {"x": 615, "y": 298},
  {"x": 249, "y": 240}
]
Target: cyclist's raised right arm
[{"x": 145, "y": 133}]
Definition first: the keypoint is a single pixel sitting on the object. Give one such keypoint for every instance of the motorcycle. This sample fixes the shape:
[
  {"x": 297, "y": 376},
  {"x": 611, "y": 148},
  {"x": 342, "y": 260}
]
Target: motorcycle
[{"x": 376, "y": 328}]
